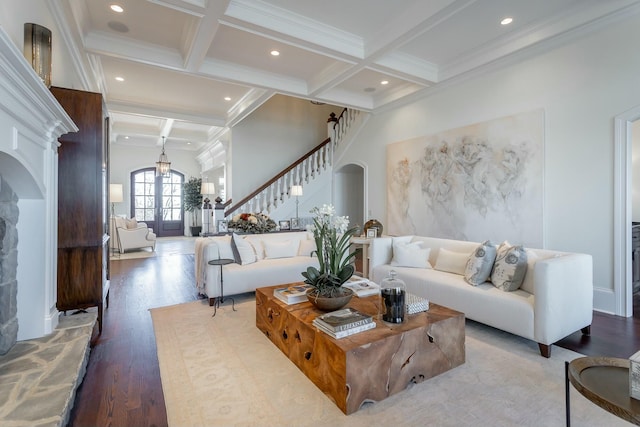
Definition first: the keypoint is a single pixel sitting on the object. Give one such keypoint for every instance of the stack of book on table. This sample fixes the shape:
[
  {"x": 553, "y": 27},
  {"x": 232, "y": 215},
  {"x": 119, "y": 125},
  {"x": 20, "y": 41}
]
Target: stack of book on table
[
  {"x": 361, "y": 286},
  {"x": 292, "y": 294},
  {"x": 344, "y": 322}
]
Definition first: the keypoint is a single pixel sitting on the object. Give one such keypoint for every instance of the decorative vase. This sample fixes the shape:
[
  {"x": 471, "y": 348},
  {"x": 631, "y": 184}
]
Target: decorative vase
[
  {"x": 373, "y": 224},
  {"x": 393, "y": 291},
  {"x": 37, "y": 50},
  {"x": 329, "y": 303}
]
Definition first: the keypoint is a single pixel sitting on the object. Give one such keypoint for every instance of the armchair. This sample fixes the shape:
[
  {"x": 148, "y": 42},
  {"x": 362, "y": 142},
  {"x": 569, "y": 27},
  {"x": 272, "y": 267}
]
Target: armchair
[{"x": 134, "y": 235}]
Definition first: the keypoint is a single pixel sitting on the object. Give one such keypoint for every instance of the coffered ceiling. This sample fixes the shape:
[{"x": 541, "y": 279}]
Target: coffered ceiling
[{"x": 193, "y": 68}]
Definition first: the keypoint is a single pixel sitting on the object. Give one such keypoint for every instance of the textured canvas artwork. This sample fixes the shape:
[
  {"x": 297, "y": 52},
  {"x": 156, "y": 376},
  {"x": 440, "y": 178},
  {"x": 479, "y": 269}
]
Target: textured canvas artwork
[{"x": 478, "y": 182}]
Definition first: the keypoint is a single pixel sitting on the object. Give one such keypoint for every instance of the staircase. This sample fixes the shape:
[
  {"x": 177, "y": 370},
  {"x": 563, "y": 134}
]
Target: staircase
[{"x": 277, "y": 191}]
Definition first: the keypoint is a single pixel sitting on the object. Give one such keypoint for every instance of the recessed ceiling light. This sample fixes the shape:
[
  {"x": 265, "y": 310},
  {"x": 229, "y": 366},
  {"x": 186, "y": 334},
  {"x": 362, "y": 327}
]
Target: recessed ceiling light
[
  {"x": 275, "y": 53},
  {"x": 506, "y": 21},
  {"x": 384, "y": 82},
  {"x": 117, "y": 8},
  {"x": 120, "y": 79},
  {"x": 126, "y": 137},
  {"x": 227, "y": 98}
]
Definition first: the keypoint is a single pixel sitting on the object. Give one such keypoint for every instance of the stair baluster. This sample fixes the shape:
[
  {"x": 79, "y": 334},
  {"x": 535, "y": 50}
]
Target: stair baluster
[{"x": 312, "y": 164}]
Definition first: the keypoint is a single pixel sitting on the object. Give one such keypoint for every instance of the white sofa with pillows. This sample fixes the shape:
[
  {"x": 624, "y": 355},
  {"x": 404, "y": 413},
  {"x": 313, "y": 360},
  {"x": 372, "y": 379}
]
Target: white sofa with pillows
[
  {"x": 259, "y": 260},
  {"x": 541, "y": 295}
]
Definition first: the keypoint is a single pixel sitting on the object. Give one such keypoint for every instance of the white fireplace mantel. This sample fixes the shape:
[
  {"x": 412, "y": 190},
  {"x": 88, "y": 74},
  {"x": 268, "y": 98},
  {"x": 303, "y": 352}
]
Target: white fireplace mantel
[{"x": 31, "y": 120}]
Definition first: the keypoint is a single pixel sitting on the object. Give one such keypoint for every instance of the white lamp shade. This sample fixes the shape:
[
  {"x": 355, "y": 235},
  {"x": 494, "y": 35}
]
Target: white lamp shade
[
  {"x": 296, "y": 190},
  {"x": 207, "y": 188},
  {"x": 115, "y": 193}
]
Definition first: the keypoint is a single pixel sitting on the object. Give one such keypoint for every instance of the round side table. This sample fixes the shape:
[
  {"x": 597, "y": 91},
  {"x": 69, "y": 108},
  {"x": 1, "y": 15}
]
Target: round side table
[
  {"x": 605, "y": 382},
  {"x": 220, "y": 299}
]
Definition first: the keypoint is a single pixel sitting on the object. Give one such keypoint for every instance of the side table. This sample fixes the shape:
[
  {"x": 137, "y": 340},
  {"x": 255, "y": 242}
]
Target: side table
[
  {"x": 605, "y": 382},
  {"x": 363, "y": 242},
  {"x": 220, "y": 299}
]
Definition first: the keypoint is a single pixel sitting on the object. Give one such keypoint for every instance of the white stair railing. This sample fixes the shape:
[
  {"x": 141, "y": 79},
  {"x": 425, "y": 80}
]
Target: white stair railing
[
  {"x": 278, "y": 189},
  {"x": 347, "y": 119}
]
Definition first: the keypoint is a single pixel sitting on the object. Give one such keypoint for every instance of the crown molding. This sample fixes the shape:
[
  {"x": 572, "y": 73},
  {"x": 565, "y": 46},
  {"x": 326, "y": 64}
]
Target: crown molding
[{"x": 63, "y": 16}]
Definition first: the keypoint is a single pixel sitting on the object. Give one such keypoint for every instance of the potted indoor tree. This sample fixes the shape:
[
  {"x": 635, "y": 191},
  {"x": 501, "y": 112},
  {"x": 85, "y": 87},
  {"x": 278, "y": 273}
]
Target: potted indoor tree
[{"x": 192, "y": 201}]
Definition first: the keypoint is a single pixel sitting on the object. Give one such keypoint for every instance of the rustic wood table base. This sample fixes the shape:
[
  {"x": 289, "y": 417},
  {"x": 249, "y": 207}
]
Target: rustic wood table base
[{"x": 368, "y": 366}]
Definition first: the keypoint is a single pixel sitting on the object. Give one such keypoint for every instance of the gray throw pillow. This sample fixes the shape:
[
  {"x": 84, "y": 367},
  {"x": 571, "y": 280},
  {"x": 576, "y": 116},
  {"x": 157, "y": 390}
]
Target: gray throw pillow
[
  {"x": 480, "y": 263},
  {"x": 243, "y": 253},
  {"x": 510, "y": 267}
]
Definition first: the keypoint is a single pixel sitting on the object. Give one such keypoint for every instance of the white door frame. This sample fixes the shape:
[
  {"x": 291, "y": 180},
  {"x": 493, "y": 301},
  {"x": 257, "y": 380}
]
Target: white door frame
[
  {"x": 365, "y": 185},
  {"x": 622, "y": 286}
]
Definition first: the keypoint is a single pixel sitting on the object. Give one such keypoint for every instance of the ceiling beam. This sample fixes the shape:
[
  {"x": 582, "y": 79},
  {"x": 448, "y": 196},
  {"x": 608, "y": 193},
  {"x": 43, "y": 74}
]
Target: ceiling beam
[{"x": 202, "y": 37}]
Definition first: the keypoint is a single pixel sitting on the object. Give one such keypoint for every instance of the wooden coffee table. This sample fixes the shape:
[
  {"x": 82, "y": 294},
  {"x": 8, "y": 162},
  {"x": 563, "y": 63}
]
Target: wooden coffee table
[{"x": 370, "y": 365}]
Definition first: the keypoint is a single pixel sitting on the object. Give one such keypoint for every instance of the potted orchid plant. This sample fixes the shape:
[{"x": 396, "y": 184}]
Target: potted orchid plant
[{"x": 333, "y": 242}]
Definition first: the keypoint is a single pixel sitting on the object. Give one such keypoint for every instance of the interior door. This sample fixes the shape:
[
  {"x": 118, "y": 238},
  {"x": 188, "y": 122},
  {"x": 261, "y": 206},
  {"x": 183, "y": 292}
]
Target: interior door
[{"x": 158, "y": 201}]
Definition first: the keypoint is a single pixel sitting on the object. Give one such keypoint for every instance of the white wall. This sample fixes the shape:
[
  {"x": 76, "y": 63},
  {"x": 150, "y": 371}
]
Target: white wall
[
  {"x": 271, "y": 138},
  {"x": 14, "y": 14},
  {"x": 216, "y": 176},
  {"x": 581, "y": 86},
  {"x": 125, "y": 160},
  {"x": 635, "y": 173}
]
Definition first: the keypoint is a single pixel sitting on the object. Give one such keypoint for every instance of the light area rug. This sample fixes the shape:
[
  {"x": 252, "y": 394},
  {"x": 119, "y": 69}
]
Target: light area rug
[{"x": 222, "y": 371}]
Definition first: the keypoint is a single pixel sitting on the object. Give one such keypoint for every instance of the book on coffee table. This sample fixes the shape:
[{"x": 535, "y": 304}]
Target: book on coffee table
[
  {"x": 292, "y": 294},
  {"x": 346, "y": 332},
  {"x": 342, "y": 320},
  {"x": 362, "y": 287}
]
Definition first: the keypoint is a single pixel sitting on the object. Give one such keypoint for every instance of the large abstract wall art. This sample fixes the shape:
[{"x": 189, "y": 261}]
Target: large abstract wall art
[{"x": 478, "y": 182}]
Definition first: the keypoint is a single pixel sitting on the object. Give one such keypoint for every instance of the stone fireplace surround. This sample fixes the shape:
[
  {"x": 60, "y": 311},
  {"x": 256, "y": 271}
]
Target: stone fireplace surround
[
  {"x": 31, "y": 120},
  {"x": 8, "y": 267}
]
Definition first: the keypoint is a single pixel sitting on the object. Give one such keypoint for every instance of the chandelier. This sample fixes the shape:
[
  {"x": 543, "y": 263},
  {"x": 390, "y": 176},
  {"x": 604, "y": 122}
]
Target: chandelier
[{"x": 163, "y": 165}]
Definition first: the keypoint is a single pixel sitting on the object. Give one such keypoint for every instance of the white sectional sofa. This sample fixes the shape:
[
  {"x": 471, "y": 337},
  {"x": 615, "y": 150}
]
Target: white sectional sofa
[
  {"x": 555, "y": 299},
  {"x": 262, "y": 260}
]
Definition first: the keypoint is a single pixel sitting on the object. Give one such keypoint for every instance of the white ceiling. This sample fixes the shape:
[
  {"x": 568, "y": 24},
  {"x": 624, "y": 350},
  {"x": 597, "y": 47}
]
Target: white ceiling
[{"x": 180, "y": 58}]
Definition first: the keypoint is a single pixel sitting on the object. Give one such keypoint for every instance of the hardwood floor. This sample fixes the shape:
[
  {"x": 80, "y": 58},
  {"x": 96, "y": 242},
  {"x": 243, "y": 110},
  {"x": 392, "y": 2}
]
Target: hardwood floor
[
  {"x": 612, "y": 336},
  {"x": 122, "y": 385}
]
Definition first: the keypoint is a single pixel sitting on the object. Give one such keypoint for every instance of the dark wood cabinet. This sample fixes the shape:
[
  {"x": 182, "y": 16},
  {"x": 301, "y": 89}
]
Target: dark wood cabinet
[{"x": 83, "y": 173}]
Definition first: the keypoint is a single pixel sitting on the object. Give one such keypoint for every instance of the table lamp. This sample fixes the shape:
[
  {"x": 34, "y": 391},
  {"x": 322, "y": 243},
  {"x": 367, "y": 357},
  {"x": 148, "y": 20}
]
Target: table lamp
[{"x": 296, "y": 190}]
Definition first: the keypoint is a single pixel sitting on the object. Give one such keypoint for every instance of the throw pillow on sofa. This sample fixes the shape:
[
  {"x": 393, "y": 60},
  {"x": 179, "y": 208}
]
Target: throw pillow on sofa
[
  {"x": 451, "y": 262},
  {"x": 224, "y": 247},
  {"x": 243, "y": 252},
  {"x": 480, "y": 263},
  {"x": 283, "y": 249},
  {"x": 306, "y": 247},
  {"x": 132, "y": 223},
  {"x": 410, "y": 255},
  {"x": 258, "y": 247},
  {"x": 510, "y": 267}
]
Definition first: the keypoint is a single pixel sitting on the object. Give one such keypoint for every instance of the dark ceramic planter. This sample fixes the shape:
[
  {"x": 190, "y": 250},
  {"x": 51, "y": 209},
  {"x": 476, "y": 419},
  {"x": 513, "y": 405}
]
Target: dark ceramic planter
[{"x": 330, "y": 303}]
